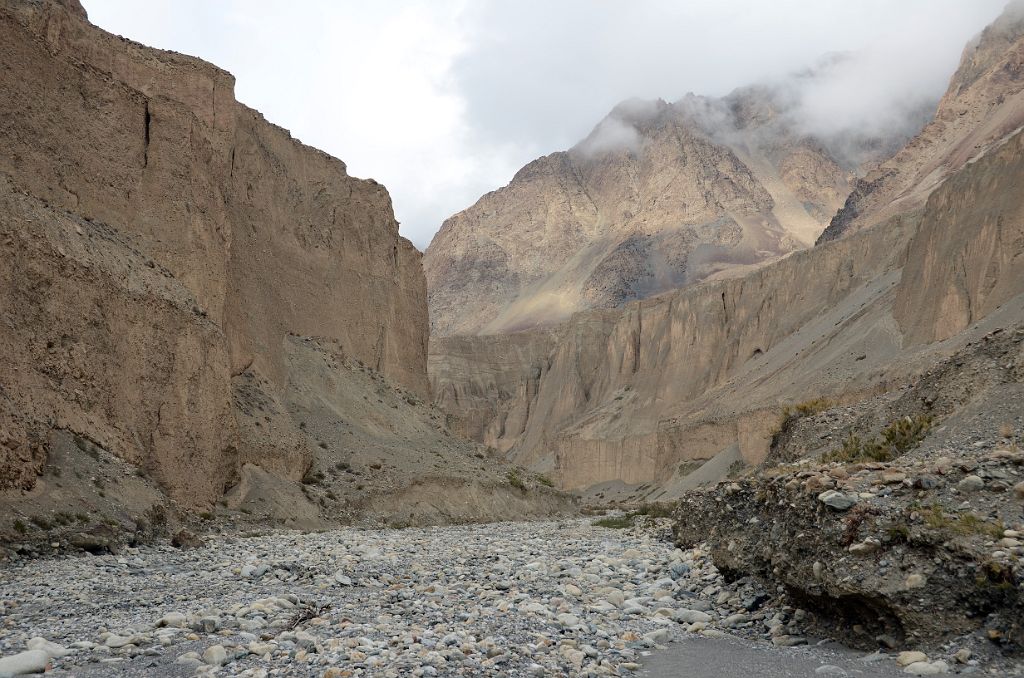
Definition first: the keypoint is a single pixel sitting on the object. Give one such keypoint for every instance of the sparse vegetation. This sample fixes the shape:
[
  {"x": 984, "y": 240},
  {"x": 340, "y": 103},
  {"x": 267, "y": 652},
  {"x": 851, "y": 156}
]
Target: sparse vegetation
[
  {"x": 545, "y": 481},
  {"x": 515, "y": 480},
  {"x": 651, "y": 510},
  {"x": 41, "y": 522},
  {"x": 736, "y": 469},
  {"x": 88, "y": 447},
  {"x": 206, "y": 515},
  {"x": 899, "y": 533},
  {"x": 313, "y": 477},
  {"x": 896, "y": 439},
  {"x": 20, "y": 527},
  {"x": 620, "y": 522},
  {"x": 936, "y": 518},
  {"x": 655, "y": 510},
  {"x": 805, "y": 409}
]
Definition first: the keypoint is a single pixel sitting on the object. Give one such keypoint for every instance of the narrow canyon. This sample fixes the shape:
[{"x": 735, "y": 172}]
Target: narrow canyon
[{"x": 705, "y": 394}]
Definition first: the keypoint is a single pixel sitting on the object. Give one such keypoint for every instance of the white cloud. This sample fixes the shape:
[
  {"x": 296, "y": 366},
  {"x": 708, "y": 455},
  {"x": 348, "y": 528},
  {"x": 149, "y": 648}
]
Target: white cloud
[{"x": 442, "y": 100}]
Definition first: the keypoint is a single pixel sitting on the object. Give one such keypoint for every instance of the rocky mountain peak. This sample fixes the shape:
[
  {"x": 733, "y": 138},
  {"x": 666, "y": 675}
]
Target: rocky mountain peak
[{"x": 658, "y": 195}]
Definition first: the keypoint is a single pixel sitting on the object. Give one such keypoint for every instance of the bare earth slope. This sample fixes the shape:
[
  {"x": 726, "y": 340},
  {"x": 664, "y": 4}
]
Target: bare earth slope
[
  {"x": 165, "y": 250},
  {"x": 644, "y": 394},
  {"x": 658, "y": 196}
]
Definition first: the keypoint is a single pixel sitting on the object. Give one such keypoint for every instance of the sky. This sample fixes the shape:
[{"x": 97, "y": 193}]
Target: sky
[{"x": 443, "y": 100}]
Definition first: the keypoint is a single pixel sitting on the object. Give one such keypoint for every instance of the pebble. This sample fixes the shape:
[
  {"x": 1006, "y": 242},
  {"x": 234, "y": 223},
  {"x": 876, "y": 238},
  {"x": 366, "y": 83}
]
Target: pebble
[
  {"x": 30, "y": 661},
  {"x": 970, "y": 483},
  {"x": 837, "y": 500},
  {"x": 546, "y": 598},
  {"x": 52, "y": 650},
  {"x": 215, "y": 655},
  {"x": 924, "y": 668},
  {"x": 910, "y": 657}
]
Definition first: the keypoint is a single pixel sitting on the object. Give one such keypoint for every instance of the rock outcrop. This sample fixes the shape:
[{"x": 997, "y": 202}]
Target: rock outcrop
[
  {"x": 657, "y": 197},
  {"x": 188, "y": 290},
  {"x": 893, "y": 519}
]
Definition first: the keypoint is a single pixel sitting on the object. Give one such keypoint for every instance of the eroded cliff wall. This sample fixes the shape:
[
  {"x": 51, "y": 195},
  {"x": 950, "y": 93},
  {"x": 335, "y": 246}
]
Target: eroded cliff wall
[
  {"x": 924, "y": 258},
  {"x": 162, "y": 240}
]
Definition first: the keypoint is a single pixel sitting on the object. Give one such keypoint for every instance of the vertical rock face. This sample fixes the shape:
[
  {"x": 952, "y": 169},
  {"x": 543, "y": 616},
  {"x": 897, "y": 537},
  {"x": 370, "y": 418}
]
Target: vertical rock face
[
  {"x": 969, "y": 257},
  {"x": 160, "y": 242},
  {"x": 657, "y": 197}
]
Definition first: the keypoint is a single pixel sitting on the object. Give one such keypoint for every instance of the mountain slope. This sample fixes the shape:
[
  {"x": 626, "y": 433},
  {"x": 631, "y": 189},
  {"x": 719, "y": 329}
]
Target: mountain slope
[
  {"x": 983, "y": 103},
  {"x": 646, "y": 393},
  {"x": 658, "y": 196}
]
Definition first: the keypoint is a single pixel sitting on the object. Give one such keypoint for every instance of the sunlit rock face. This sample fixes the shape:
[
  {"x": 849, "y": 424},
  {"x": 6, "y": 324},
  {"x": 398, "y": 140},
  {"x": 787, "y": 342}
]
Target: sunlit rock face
[{"x": 657, "y": 197}]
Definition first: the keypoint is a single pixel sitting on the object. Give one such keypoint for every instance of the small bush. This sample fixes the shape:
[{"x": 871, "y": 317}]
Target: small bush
[
  {"x": 206, "y": 515},
  {"x": 655, "y": 510},
  {"x": 87, "y": 446},
  {"x": 20, "y": 527},
  {"x": 515, "y": 481},
  {"x": 896, "y": 439},
  {"x": 313, "y": 477},
  {"x": 41, "y": 522},
  {"x": 616, "y": 522},
  {"x": 545, "y": 481},
  {"x": 967, "y": 524},
  {"x": 807, "y": 408}
]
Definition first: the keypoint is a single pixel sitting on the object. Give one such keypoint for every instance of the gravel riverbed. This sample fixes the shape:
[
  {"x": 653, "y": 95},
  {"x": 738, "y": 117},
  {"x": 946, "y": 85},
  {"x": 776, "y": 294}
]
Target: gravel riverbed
[{"x": 512, "y": 599}]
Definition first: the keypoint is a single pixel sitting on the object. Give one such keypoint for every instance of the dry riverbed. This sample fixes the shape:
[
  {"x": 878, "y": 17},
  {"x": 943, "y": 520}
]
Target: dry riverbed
[{"x": 508, "y": 599}]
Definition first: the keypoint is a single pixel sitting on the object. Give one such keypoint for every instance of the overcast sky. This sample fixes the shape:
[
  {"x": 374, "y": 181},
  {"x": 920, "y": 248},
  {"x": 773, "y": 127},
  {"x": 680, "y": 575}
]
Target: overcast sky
[{"x": 443, "y": 100}]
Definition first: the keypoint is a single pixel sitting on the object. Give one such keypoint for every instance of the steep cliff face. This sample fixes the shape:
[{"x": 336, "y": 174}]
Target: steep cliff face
[
  {"x": 631, "y": 394},
  {"x": 983, "y": 104},
  {"x": 644, "y": 393},
  {"x": 639, "y": 394},
  {"x": 658, "y": 196},
  {"x": 164, "y": 251},
  {"x": 972, "y": 248}
]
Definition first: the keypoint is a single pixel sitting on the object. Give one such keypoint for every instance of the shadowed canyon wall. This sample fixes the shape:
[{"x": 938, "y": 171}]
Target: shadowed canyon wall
[{"x": 160, "y": 242}]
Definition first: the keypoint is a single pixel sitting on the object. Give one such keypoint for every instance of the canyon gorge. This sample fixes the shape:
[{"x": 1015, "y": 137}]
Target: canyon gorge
[{"x": 708, "y": 375}]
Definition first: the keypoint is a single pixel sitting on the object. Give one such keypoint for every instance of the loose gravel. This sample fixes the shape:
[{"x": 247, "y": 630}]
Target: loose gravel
[{"x": 510, "y": 599}]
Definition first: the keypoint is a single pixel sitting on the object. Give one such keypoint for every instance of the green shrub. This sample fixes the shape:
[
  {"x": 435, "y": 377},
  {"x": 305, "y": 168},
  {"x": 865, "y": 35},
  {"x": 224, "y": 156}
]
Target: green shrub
[
  {"x": 515, "y": 481},
  {"x": 655, "y": 510},
  {"x": 967, "y": 524},
  {"x": 896, "y": 439},
  {"x": 616, "y": 522},
  {"x": 545, "y": 481},
  {"x": 20, "y": 527}
]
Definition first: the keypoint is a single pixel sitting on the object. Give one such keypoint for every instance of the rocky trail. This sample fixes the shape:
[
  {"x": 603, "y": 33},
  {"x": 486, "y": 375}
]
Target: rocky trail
[{"x": 510, "y": 599}]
